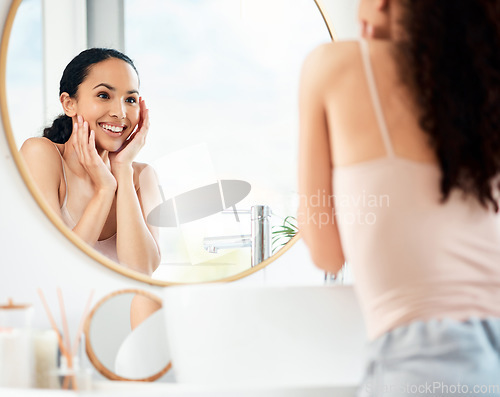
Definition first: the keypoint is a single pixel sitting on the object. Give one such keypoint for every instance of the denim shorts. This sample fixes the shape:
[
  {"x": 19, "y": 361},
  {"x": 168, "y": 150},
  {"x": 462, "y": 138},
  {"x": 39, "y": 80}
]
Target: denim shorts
[{"x": 435, "y": 358}]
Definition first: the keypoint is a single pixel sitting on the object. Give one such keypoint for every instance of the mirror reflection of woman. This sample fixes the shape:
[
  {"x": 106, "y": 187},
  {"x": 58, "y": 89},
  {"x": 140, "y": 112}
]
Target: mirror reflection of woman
[
  {"x": 399, "y": 176},
  {"x": 84, "y": 163}
]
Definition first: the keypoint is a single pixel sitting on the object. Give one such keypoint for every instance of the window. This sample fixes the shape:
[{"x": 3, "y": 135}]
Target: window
[
  {"x": 221, "y": 80},
  {"x": 25, "y": 72}
]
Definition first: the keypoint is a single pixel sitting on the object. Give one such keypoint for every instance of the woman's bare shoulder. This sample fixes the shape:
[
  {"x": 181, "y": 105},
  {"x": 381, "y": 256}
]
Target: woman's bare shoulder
[
  {"x": 332, "y": 55},
  {"x": 44, "y": 163},
  {"x": 39, "y": 146},
  {"x": 329, "y": 63},
  {"x": 139, "y": 167},
  {"x": 43, "y": 153},
  {"x": 143, "y": 174},
  {"x": 142, "y": 168},
  {"x": 343, "y": 52}
]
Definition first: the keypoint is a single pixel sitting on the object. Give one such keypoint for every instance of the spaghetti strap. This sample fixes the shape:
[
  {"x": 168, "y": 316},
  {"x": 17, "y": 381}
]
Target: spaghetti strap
[
  {"x": 375, "y": 98},
  {"x": 64, "y": 176}
]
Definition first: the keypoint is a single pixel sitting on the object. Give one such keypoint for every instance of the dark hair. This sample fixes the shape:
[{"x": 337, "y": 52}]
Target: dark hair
[
  {"x": 74, "y": 74},
  {"x": 450, "y": 58}
]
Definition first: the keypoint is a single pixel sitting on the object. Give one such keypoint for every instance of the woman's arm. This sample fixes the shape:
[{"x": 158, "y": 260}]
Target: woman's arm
[
  {"x": 137, "y": 242},
  {"x": 316, "y": 214},
  {"x": 141, "y": 308}
]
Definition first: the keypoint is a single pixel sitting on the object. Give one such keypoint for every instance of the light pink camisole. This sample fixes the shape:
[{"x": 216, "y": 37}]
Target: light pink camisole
[
  {"x": 412, "y": 257},
  {"x": 106, "y": 247}
]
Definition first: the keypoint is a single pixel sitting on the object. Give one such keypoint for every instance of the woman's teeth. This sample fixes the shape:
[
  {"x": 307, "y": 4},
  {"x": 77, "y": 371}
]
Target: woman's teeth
[{"x": 112, "y": 128}]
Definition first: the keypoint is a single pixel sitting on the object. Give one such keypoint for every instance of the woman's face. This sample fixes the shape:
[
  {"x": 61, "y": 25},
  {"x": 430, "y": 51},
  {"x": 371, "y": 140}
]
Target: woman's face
[{"x": 108, "y": 99}]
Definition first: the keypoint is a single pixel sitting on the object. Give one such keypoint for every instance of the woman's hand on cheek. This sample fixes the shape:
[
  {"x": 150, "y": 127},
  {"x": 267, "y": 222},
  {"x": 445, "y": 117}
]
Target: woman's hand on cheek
[
  {"x": 84, "y": 145},
  {"x": 124, "y": 157}
]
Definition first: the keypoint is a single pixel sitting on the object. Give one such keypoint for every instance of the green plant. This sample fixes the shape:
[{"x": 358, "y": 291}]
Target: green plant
[{"x": 283, "y": 233}]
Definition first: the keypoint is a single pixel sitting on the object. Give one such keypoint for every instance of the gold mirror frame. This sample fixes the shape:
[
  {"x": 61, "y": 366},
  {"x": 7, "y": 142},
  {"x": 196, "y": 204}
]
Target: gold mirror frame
[
  {"x": 23, "y": 170},
  {"x": 98, "y": 365}
]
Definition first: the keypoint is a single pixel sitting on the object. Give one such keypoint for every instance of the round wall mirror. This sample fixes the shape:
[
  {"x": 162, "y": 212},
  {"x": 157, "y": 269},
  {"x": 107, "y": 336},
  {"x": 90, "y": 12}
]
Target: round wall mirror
[
  {"x": 221, "y": 81},
  {"x": 125, "y": 336}
]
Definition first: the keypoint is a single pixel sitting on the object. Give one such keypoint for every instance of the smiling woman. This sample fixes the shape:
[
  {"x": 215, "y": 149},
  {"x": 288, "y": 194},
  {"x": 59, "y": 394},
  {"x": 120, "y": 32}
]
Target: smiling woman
[
  {"x": 220, "y": 78},
  {"x": 83, "y": 164}
]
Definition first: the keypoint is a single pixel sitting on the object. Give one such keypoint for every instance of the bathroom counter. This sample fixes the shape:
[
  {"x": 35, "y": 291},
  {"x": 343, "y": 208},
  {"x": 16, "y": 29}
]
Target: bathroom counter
[{"x": 140, "y": 389}]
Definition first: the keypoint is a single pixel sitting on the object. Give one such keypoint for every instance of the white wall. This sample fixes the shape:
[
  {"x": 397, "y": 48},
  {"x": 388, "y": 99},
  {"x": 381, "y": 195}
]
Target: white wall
[
  {"x": 34, "y": 254},
  {"x": 343, "y": 15}
]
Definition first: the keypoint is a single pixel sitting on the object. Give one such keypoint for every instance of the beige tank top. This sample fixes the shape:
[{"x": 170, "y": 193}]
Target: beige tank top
[
  {"x": 106, "y": 247},
  {"x": 414, "y": 258}
]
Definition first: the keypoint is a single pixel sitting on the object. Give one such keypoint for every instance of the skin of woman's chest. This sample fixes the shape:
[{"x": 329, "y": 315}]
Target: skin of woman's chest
[{"x": 77, "y": 202}]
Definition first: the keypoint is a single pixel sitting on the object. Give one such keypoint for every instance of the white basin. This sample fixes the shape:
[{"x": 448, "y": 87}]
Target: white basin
[{"x": 230, "y": 334}]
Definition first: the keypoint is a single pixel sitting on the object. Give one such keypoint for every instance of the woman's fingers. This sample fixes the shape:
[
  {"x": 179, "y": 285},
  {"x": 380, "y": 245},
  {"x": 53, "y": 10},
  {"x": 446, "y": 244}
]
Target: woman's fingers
[
  {"x": 87, "y": 156},
  {"x": 85, "y": 145},
  {"x": 92, "y": 139},
  {"x": 139, "y": 137},
  {"x": 75, "y": 139},
  {"x": 80, "y": 136},
  {"x": 91, "y": 147},
  {"x": 80, "y": 140},
  {"x": 142, "y": 132},
  {"x": 142, "y": 106},
  {"x": 144, "y": 123},
  {"x": 143, "y": 120},
  {"x": 93, "y": 157}
]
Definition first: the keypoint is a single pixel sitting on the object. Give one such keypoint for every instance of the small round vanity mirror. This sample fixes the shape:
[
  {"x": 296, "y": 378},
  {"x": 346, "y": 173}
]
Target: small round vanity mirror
[
  {"x": 221, "y": 81},
  {"x": 125, "y": 336}
]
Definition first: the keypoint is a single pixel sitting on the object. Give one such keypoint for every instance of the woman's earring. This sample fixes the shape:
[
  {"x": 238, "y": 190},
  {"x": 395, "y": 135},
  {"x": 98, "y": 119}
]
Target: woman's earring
[{"x": 369, "y": 31}]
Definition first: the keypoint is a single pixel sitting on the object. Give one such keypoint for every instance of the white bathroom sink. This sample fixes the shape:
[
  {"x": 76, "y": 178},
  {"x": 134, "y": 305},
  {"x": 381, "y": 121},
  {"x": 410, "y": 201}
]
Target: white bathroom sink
[{"x": 230, "y": 334}]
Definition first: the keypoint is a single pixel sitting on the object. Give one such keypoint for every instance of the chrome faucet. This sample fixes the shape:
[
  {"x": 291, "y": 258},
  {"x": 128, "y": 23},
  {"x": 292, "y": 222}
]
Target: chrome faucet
[{"x": 259, "y": 239}]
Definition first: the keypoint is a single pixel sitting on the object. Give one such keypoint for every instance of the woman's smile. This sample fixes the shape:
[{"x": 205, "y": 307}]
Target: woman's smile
[{"x": 112, "y": 129}]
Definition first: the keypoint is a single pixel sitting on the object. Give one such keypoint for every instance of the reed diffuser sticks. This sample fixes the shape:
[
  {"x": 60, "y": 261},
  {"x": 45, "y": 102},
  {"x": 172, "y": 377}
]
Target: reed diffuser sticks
[{"x": 67, "y": 350}]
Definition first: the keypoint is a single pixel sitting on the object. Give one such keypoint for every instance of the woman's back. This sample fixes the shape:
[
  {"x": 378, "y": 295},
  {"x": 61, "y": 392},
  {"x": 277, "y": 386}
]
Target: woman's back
[
  {"x": 405, "y": 188},
  {"x": 354, "y": 129},
  {"x": 413, "y": 257}
]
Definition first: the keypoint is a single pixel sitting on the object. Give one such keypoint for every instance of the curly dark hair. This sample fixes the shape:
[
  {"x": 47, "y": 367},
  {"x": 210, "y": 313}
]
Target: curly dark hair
[
  {"x": 74, "y": 74},
  {"x": 450, "y": 58}
]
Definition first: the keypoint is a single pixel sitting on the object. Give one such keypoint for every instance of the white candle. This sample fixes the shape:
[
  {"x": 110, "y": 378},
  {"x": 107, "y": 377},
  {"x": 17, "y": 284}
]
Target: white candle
[
  {"x": 45, "y": 351},
  {"x": 16, "y": 364}
]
